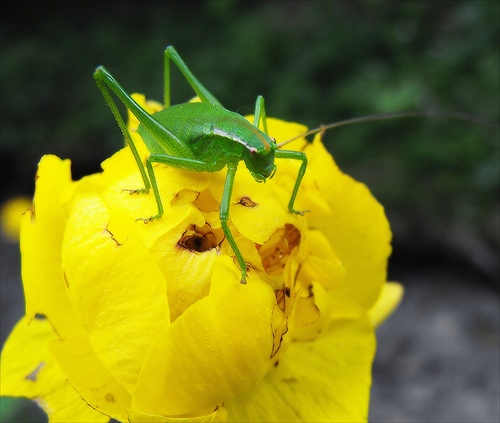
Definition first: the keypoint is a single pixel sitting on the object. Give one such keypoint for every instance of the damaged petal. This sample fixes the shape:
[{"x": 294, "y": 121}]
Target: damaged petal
[
  {"x": 183, "y": 197},
  {"x": 201, "y": 238},
  {"x": 34, "y": 374},
  {"x": 276, "y": 250},
  {"x": 247, "y": 202}
]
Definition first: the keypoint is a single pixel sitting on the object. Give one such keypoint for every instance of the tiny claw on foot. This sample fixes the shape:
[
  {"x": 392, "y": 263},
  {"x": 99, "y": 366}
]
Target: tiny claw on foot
[
  {"x": 148, "y": 219},
  {"x": 136, "y": 191},
  {"x": 301, "y": 212}
]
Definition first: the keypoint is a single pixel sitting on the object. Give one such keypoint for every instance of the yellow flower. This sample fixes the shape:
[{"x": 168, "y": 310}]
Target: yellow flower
[
  {"x": 10, "y": 216},
  {"x": 149, "y": 322}
]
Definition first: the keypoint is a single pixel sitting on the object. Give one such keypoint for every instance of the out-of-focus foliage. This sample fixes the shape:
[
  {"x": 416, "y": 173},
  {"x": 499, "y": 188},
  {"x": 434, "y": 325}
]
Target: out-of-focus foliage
[{"x": 313, "y": 61}]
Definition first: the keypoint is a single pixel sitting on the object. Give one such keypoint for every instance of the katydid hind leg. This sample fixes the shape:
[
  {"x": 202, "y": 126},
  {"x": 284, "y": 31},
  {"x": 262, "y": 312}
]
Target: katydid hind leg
[
  {"x": 160, "y": 133},
  {"x": 294, "y": 155},
  {"x": 103, "y": 87},
  {"x": 198, "y": 87}
]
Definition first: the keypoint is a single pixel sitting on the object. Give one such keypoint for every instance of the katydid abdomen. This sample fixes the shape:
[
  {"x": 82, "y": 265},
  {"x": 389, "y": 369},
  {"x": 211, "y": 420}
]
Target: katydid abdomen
[{"x": 215, "y": 135}]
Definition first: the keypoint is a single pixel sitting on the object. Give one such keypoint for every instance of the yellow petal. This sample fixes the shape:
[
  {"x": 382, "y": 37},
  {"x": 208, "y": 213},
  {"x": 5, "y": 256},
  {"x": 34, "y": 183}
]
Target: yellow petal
[
  {"x": 389, "y": 299},
  {"x": 218, "y": 348},
  {"x": 322, "y": 264},
  {"x": 178, "y": 190},
  {"x": 28, "y": 370},
  {"x": 356, "y": 227},
  {"x": 326, "y": 380},
  {"x": 186, "y": 255},
  {"x": 42, "y": 230},
  {"x": 115, "y": 286},
  {"x": 10, "y": 216},
  {"x": 264, "y": 203}
]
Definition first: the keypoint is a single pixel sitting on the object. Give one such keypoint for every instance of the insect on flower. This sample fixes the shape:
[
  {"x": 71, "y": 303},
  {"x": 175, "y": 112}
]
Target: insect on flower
[
  {"x": 200, "y": 137},
  {"x": 206, "y": 137},
  {"x": 129, "y": 321}
]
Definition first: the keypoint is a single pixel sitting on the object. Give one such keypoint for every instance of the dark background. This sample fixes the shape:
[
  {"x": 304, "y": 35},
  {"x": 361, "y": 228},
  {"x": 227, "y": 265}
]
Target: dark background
[{"x": 314, "y": 62}]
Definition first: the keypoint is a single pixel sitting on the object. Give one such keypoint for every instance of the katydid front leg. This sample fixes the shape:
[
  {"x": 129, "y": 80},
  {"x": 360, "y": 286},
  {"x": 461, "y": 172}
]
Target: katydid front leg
[
  {"x": 260, "y": 114},
  {"x": 295, "y": 155}
]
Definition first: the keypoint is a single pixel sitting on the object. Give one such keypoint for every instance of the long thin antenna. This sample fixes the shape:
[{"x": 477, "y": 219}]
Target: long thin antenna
[{"x": 383, "y": 116}]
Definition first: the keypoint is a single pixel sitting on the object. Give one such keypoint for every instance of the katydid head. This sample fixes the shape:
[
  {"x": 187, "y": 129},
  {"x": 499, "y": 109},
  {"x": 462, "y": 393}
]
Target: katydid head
[{"x": 260, "y": 163}]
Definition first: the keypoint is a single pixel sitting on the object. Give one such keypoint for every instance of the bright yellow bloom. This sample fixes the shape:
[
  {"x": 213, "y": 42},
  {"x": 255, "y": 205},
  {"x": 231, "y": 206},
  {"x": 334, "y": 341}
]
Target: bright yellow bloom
[
  {"x": 10, "y": 216},
  {"x": 149, "y": 322}
]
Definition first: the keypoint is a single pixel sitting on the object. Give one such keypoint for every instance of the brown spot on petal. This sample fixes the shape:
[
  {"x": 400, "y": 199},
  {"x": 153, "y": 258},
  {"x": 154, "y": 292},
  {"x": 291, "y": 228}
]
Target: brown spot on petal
[
  {"x": 275, "y": 251},
  {"x": 281, "y": 297},
  {"x": 106, "y": 230},
  {"x": 31, "y": 211},
  {"x": 201, "y": 238},
  {"x": 279, "y": 328},
  {"x": 34, "y": 374},
  {"x": 184, "y": 197},
  {"x": 110, "y": 397},
  {"x": 247, "y": 202}
]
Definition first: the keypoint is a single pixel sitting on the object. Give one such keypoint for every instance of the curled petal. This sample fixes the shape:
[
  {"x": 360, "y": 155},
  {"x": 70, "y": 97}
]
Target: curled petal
[
  {"x": 115, "y": 287},
  {"x": 213, "y": 351},
  {"x": 42, "y": 230}
]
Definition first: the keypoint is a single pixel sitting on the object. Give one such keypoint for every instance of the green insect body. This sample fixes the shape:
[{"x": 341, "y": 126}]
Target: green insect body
[
  {"x": 200, "y": 137},
  {"x": 226, "y": 137}
]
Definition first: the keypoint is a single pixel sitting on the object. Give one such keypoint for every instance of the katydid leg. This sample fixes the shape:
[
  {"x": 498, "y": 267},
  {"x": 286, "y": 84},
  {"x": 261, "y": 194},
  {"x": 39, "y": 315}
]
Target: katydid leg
[
  {"x": 198, "y": 87},
  {"x": 177, "y": 162},
  {"x": 260, "y": 114},
  {"x": 295, "y": 155},
  {"x": 224, "y": 215},
  {"x": 128, "y": 138},
  {"x": 199, "y": 166},
  {"x": 106, "y": 83}
]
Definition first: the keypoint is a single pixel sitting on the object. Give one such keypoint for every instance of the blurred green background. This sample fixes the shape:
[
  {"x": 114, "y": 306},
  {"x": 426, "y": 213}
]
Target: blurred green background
[{"x": 314, "y": 62}]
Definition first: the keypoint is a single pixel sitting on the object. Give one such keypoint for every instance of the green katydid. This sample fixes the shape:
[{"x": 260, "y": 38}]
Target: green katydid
[
  {"x": 206, "y": 137},
  {"x": 200, "y": 137}
]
